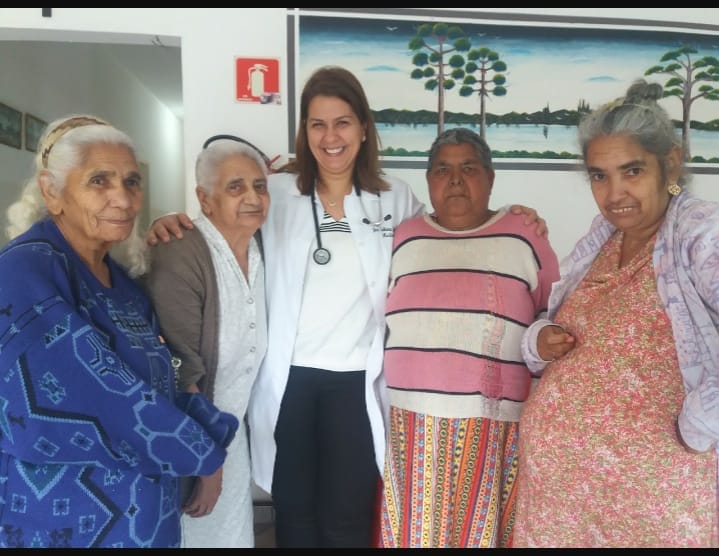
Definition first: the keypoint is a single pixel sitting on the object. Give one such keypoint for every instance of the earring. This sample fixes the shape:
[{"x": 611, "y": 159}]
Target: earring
[
  {"x": 364, "y": 137},
  {"x": 674, "y": 189}
]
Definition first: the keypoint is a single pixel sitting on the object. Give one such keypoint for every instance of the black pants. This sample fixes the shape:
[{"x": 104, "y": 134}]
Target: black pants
[{"x": 325, "y": 477}]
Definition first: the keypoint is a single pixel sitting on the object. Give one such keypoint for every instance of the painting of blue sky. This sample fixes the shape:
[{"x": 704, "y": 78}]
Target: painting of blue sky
[{"x": 546, "y": 66}]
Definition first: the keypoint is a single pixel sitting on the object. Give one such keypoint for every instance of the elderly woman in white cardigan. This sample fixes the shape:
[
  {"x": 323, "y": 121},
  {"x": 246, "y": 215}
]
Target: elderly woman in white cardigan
[{"x": 208, "y": 291}]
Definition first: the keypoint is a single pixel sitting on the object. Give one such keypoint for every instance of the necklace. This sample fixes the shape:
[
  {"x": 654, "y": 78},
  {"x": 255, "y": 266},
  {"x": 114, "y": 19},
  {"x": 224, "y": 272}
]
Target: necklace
[
  {"x": 330, "y": 203},
  {"x": 325, "y": 194}
]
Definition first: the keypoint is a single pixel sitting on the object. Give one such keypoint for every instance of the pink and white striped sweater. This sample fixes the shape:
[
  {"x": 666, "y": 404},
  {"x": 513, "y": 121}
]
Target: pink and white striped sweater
[{"x": 458, "y": 305}]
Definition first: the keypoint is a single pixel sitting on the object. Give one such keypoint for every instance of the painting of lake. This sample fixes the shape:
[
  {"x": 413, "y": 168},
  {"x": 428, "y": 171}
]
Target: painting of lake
[
  {"x": 523, "y": 85},
  {"x": 529, "y": 138}
]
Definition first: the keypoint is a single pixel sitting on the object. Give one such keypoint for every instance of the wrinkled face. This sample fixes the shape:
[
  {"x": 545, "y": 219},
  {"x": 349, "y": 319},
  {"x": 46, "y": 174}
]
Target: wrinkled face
[
  {"x": 101, "y": 198},
  {"x": 459, "y": 187},
  {"x": 334, "y": 134},
  {"x": 239, "y": 200},
  {"x": 627, "y": 183}
]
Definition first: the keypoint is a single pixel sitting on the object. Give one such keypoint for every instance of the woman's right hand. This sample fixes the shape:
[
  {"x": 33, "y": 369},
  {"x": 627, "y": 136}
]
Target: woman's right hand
[
  {"x": 205, "y": 494},
  {"x": 164, "y": 226},
  {"x": 553, "y": 342}
]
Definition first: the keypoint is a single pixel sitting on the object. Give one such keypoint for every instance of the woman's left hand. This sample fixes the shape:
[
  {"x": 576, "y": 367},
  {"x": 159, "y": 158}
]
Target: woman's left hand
[
  {"x": 532, "y": 218},
  {"x": 554, "y": 342}
]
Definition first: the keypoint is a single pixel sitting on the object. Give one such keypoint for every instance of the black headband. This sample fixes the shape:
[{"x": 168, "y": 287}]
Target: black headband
[{"x": 214, "y": 138}]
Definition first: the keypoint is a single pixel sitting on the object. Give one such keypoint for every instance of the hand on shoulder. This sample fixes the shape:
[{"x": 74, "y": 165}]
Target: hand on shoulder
[
  {"x": 170, "y": 224},
  {"x": 532, "y": 217}
]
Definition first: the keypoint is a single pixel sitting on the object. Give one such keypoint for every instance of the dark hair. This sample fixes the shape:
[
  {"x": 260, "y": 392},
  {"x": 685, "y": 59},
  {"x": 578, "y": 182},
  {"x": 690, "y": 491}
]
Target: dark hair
[
  {"x": 461, "y": 136},
  {"x": 335, "y": 81},
  {"x": 638, "y": 115}
]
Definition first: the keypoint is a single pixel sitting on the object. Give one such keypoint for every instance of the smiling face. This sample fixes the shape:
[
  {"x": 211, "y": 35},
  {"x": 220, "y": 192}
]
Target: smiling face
[
  {"x": 100, "y": 200},
  {"x": 628, "y": 184},
  {"x": 239, "y": 201},
  {"x": 459, "y": 187},
  {"x": 334, "y": 135}
]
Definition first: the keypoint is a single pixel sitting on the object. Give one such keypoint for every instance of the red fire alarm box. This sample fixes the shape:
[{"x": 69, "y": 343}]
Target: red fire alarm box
[{"x": 257, "y": 80}]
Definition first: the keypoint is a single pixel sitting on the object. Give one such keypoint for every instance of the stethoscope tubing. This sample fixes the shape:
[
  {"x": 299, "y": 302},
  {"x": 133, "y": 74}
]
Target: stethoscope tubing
[{"x": 322, "y": 255}]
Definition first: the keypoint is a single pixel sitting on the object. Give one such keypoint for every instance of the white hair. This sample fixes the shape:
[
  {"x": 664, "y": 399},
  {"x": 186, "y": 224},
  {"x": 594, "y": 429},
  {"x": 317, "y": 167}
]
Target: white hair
[
  {"x": 57, "y": 155},
  {"x": 211, "y": 158}
]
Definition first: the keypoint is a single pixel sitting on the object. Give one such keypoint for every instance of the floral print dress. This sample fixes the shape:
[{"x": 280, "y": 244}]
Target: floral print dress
[{"x": 599, "y": 460}]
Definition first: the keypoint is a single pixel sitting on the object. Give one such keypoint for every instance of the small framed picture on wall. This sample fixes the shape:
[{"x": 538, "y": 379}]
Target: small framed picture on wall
[
  {"x": 33, "y": 130},
  {"x": 10, "y": 126}
]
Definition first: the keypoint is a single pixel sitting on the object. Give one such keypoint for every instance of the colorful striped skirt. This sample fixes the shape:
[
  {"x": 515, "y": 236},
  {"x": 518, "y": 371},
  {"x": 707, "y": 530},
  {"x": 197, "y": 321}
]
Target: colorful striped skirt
[{"x": 448, "y": 482}]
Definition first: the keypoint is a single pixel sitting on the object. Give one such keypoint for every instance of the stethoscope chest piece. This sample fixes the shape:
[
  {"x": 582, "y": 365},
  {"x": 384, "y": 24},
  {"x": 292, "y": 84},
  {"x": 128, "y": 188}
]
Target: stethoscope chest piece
[{"x": 321, "y": 255}]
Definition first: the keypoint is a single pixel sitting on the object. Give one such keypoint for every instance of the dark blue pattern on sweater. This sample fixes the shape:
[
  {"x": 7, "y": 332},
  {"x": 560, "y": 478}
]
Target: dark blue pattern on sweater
[{"x": 93, "y": 436}]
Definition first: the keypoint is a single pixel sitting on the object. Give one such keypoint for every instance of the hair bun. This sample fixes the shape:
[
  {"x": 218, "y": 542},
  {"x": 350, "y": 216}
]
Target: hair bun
[{"x": 642, "y": 92}]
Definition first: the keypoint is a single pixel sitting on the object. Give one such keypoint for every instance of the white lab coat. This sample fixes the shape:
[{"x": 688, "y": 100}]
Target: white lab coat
[{"x": 287, "y": 237}]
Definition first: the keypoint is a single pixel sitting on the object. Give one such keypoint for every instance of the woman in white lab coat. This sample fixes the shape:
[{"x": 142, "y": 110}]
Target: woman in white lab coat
[
  {"x": 320, "y": 390},
  {"x": 302, "y": 292}
]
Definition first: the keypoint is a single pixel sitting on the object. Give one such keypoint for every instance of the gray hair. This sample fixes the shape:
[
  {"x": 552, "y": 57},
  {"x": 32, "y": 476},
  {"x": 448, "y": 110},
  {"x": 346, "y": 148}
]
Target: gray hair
[
  {"x": 211, "y": 158},
  {"x": 636, "y": 114},
  {"x": 461, "y": 136},
  {"x": 61, "y": 148}
]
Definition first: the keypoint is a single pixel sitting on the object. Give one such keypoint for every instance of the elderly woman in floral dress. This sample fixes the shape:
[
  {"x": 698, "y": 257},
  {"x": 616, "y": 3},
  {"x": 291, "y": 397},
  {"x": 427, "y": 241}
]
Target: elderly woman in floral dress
[{"x": 619, "y": 440}]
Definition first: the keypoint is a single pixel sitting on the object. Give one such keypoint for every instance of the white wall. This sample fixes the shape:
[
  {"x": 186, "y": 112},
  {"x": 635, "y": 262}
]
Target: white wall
[
  {"x": 50, "y": 80},
  {"x": 212, "y": 37}
]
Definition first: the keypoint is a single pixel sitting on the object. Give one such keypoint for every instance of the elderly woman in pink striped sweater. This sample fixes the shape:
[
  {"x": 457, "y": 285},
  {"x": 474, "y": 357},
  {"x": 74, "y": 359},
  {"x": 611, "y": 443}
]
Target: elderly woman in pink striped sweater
[{"x": 465, "y": 283}]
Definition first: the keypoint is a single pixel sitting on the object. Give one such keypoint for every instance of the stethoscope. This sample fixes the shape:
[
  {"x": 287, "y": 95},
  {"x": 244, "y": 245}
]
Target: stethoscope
[{"x": 321, "y": 255}]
